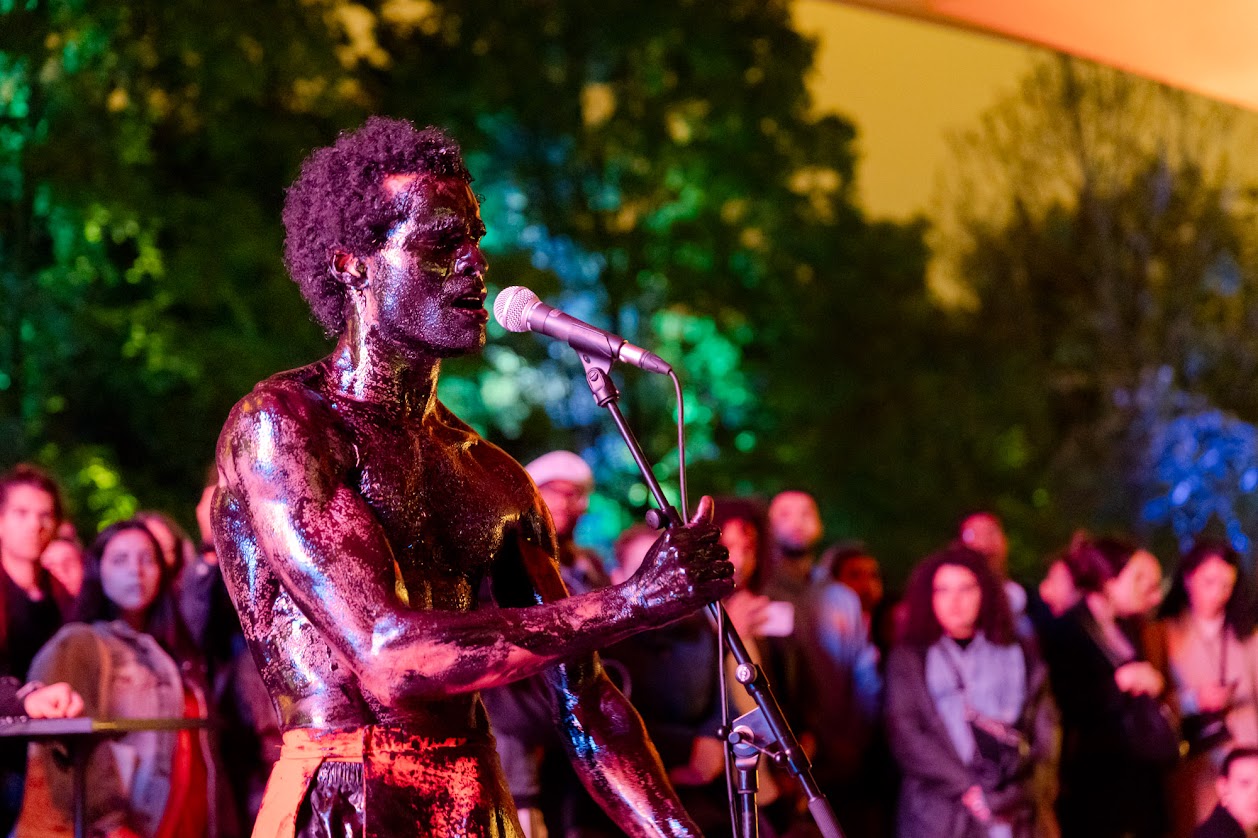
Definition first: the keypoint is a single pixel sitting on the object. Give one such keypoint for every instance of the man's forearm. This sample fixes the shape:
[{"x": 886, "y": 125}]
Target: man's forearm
[
  {"x": 617, "y": 763},
  {"x": 437, "y": 653}
]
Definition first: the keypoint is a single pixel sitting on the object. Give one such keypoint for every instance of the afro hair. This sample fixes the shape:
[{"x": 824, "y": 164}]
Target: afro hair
[{"x": 337, "y": 203}]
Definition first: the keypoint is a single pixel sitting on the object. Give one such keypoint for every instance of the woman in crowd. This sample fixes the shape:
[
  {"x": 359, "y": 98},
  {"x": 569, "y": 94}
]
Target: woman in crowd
[
  {"x": 742, "y": 526},
  {"x": 1116, "y": 738},
  {"x": 1212, "y": 655},
  {"x": 968, "y": 709},
  {"x": 129, "y": 656}
]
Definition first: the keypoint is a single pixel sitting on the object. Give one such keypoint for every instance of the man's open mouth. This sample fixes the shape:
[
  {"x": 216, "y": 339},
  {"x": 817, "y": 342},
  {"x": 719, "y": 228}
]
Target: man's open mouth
[{"x": 471, "y": 302}]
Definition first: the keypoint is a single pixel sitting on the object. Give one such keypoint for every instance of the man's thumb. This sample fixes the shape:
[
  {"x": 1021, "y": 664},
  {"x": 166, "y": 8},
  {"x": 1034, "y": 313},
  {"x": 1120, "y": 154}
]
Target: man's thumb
[{"x": 704, "y": 511}]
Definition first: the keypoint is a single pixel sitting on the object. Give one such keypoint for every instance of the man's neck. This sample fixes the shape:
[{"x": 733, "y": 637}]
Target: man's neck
[
  {"x": 24, "y": 573},
  {"x": 365, "y": 370}
]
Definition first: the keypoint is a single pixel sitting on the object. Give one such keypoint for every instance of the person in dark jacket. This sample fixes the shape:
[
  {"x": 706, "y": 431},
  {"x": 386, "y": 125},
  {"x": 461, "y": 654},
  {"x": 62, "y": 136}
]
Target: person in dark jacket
[
  {"x": 1111, "y": 781},
  {"x": 1236, "y": 814},
  {"x": 960, "y": 665}
]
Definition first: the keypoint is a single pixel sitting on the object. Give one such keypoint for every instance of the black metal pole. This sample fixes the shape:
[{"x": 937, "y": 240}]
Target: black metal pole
[{"x": 747, "y": 762}]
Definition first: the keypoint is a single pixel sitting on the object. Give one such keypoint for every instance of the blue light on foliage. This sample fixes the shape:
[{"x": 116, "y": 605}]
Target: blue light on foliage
[
  {"x": 1206, "y": 462},
  {"x": 1224, "y": 276}
]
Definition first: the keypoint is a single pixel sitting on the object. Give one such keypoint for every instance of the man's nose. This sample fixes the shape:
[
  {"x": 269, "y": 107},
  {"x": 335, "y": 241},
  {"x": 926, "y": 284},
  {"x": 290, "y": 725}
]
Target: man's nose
[{"x": 470, "y": 261}]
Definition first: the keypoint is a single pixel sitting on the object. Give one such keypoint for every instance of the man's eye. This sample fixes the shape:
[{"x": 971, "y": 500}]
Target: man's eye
[{"x": 439, "y": 247}]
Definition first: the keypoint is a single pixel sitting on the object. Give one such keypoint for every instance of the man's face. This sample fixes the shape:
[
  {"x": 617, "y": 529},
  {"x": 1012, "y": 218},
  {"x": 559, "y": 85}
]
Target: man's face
[
  {"x": 1238, "y": 791},
  {"x": 426, "y": 286},
  {"x": 983, "y": 534},
  {"x": 27, "y": 523},
  {"x": 567, "y": 502},
  {"x": 795, "y": 522}
]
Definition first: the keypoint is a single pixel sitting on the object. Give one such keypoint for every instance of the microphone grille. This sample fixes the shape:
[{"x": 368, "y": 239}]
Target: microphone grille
[{"x": 511, "y": 308}]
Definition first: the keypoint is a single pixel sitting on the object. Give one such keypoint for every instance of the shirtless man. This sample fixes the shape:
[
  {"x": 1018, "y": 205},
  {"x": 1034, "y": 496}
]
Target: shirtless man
[{"x": 356, "y": 518}]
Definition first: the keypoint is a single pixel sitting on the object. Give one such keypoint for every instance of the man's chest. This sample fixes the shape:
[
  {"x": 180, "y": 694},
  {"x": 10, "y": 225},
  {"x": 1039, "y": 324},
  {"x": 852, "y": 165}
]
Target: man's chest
[{"x": 447, "y": 503}]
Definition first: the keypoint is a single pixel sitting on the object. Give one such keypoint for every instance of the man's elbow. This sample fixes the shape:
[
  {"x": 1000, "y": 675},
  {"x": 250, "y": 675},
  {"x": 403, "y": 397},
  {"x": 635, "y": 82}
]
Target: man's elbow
[{"x": 398, "y": 669}]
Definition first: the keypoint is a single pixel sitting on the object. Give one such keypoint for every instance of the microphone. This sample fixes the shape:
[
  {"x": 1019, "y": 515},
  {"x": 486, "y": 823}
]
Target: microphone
[{"x": 517, "y": 309}]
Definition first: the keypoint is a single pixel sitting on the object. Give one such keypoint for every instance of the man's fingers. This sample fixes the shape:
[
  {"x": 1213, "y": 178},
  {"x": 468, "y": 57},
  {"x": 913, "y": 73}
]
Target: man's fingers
[{"x": 717, "y": 571}]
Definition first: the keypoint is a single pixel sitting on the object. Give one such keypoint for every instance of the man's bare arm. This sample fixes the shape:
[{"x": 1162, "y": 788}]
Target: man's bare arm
[
  {"x": 616, "y": 761},
  {"x": 285, "y": 474},
  {"x": 602, "y": 732}
]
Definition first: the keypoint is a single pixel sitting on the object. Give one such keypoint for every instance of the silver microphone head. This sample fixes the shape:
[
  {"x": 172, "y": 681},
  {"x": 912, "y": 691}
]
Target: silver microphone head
[{"x": 511, "y": 308}]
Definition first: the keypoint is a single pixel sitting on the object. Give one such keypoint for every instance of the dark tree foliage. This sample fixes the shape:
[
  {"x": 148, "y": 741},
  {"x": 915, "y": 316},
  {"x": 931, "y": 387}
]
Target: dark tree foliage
[
  {"x": 653, "y": 167},
  {"x": 1103, "y": 249}
]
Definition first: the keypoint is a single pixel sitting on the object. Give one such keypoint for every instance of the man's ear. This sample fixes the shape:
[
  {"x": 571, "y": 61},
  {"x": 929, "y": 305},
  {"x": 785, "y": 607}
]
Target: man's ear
[{"x": 349, "y": 270}]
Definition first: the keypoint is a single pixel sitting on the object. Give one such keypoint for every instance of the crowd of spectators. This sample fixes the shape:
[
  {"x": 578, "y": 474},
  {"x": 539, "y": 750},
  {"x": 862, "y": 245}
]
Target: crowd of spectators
[
  {"x": 136, "y": 625},
  {"x": 1099, "y": 703}
]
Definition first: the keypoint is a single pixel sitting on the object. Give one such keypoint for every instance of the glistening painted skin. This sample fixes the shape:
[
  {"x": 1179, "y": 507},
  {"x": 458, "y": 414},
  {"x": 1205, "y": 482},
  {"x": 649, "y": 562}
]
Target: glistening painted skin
[{"x": 356, "y": 518}]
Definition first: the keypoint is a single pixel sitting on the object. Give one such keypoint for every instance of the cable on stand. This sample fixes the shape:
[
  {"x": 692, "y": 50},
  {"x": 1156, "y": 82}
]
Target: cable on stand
[{"x": 765, "y": 729}]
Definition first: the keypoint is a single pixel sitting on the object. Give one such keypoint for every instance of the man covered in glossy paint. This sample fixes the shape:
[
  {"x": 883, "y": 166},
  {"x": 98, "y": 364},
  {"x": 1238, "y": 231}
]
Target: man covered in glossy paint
[{"x": 356, "y": 518}]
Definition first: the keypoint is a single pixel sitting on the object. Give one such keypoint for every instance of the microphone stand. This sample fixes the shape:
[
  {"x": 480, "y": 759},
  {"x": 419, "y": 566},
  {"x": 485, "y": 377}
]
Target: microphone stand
[{"x": 784, "y": 746}]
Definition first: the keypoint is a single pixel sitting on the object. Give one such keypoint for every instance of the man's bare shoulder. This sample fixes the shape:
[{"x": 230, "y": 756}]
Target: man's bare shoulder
[{"x": 282, "y": 416}]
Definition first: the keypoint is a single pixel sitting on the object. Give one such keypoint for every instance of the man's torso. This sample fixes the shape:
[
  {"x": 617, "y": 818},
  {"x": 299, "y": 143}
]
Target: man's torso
[{"x": 446, "y": 501}]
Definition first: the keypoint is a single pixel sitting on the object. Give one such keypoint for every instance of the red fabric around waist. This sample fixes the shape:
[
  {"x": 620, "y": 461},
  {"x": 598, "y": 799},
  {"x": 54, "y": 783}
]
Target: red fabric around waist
[{"x": 449, "y": 785}]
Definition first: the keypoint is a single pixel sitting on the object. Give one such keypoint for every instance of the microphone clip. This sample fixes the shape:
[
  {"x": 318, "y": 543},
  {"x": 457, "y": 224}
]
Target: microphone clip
[{"x": 597, "y": 376}]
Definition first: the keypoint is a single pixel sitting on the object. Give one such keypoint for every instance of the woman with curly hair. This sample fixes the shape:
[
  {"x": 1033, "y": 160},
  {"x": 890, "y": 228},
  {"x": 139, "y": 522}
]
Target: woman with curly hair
[
  {"x": 968, "y": 709},
  {"x": 1213, "y": 657}
]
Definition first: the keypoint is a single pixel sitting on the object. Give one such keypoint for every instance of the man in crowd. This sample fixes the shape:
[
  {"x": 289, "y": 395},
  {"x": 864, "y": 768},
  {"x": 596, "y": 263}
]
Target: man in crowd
[
  {"x": 983, "y": 532},
  {"x": 1236, "y": 815},
  {"x": 826, "y": 671},
  {"x": 357, "y": 516},
  {"x": 794, "y": 532},
  {"x": 565, "y": 482},
  {"x": 860, "y": 572},
  {"x": 30, "y": 512},
  {"x": 546, "y": 792}
]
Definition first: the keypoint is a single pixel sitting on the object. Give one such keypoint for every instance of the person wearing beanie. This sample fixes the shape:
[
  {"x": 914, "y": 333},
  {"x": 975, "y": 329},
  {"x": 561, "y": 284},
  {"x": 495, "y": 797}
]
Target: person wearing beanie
[{"x": 565, "y": 482}]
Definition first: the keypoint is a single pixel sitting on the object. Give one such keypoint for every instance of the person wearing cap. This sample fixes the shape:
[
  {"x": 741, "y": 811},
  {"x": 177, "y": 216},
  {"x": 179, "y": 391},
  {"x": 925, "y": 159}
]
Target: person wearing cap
[{"x": 565, "y": 482}]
